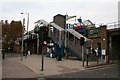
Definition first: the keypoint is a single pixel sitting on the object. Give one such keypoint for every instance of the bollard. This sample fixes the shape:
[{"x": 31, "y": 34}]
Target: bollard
[
  {"x": 83, "y": 62},
  {"x": 108, "y": 59},
  {"x": 87, "y": 61},
  {"x": 87, "y": 52},
  {"x": 97, "y": 60},
  {"x": 3, "y": 55}
]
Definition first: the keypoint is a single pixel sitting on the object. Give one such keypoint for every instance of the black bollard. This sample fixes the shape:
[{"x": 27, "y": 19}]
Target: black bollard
[
  {"x": 3, "y": 55},
  {"x": 87, "y": 61},
  {"x": 97, "y": 60}
]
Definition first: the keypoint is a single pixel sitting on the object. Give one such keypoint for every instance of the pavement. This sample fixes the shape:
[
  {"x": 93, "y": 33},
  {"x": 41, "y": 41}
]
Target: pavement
[
  {"x": 51, "y": 66},
  {"x": 0, "y": 68},
  {"x": 11, "y": 68},
  {"x": 0, "y": 65},
  {"x": 31, "y": 67}
]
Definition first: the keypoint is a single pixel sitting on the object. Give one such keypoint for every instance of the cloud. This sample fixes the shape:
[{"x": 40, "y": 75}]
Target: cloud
[
  {"x": 102, "y": 11},
  {"x": 58, "y": 1}
]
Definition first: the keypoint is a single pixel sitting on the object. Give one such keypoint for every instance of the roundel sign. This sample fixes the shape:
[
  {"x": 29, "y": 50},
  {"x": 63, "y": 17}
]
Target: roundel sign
[{"x": 45, "y": 42}]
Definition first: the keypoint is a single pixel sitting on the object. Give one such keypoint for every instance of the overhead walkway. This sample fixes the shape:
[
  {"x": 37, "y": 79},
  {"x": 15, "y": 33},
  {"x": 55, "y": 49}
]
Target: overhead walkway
[
  {"x": 57, "y": 34},
  {"x": 71, "y": 40},
  {"x": 67, "y": 37},
  {"x": 73, "y": 44}
]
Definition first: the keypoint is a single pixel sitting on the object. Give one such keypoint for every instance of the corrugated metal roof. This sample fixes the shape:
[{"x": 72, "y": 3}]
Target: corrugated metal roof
[
  {"x": 41, "y": 21},
  {"x": 57, "y": 27},
  {"x": 69, "y": 17},
  {"x": 76, "y": 34}
]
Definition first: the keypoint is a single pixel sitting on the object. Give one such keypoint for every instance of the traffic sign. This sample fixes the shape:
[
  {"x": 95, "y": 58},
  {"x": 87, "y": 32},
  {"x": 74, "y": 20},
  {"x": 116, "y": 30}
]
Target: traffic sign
[{"x": 45, "y": 42}]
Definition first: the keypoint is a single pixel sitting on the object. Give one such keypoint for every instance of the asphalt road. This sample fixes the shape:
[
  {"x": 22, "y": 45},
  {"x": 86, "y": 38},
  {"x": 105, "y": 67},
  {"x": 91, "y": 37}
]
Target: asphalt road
[{"x": 111, "y": 71}]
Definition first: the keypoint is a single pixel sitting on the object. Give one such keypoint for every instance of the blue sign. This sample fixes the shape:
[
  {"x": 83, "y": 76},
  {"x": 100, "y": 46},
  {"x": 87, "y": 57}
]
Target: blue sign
[{"x": 57, "y": 42}]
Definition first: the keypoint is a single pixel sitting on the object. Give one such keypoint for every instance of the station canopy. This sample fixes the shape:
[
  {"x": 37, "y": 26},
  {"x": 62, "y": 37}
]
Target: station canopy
[
  {"x": 41, "y": 21},
  {"x": 56, "y": 26},
  {"x": 70, "y": 17}
]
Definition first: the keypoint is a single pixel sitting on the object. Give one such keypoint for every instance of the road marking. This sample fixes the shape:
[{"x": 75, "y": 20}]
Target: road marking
[{"x": 101, "y": 67}]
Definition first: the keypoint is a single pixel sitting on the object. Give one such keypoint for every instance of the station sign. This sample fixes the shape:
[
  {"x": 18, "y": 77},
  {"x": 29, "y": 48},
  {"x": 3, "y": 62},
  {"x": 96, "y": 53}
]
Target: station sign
[{"x": 95, "y": 31}]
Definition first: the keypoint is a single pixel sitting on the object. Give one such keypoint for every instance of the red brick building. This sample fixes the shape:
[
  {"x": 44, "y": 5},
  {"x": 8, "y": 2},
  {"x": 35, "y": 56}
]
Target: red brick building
[{"x": 99, "y": 36}]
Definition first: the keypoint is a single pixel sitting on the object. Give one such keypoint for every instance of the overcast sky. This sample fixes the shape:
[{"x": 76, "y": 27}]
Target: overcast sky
[{"x": 98, "y": 11}]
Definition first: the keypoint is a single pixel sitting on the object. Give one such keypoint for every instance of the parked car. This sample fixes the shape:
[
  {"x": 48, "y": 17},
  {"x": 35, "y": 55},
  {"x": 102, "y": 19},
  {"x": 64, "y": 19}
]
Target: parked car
[{"x": 9, "y": 49}]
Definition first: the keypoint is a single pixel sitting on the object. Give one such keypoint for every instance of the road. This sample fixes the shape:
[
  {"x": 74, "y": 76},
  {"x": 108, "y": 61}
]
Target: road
[{"x": 110, "y": 71}]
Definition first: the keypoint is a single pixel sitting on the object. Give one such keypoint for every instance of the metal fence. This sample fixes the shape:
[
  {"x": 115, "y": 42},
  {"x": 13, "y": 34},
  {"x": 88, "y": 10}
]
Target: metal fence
[{"x": 113, "y": 25}]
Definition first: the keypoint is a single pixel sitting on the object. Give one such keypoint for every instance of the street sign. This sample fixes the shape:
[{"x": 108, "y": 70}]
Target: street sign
[
  {"x": 95, "y": 31},
  {"x": 45, "y": 42}
]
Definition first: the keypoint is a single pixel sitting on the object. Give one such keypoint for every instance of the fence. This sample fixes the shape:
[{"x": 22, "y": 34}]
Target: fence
[{"x": 113, "y": 25}]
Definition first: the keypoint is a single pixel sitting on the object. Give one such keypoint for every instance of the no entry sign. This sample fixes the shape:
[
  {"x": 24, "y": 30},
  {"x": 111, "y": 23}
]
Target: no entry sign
[{"x": 45, "y": 42}]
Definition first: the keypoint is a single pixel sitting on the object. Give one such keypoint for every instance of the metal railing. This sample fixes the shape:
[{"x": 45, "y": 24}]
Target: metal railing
[{"x": 113, "y": 25}]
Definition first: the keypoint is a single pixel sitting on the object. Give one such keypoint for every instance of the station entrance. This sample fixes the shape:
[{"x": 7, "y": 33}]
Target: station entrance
[{"x": 114, "y": 45}]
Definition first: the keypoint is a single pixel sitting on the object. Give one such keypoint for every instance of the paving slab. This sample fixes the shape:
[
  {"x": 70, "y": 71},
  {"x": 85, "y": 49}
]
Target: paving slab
[
  {"x": 31, "y": 66},
  {"x": 51, "y": 66},
  {"x": 11, "y": 68}
]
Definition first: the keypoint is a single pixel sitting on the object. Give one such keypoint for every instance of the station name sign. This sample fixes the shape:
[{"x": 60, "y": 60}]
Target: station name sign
[{"x": 95, "y": 31}]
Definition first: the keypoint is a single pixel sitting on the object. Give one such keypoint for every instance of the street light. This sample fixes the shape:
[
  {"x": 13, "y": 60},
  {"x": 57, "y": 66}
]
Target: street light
[
  {"x": 27, "y": 21},
  {"x": 27, "y": 28},
  {"x": 22, "y": 49}
]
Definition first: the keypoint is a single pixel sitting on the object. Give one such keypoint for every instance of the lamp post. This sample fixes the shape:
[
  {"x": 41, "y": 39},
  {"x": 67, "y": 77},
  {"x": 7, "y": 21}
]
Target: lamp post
[
  {"x": 27, "y": 22},
  {"x": 22, "y": 48},
  {"x": 27, "y": 30}
]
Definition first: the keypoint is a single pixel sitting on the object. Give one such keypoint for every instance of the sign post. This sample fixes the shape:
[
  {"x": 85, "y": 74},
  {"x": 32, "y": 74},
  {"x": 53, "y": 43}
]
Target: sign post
[
  {"x": 82, "y": 41},
  {"x": 82, "y": 55},
  {"x": 43, "y": 51},
  {"x": 87, "y": 52}
]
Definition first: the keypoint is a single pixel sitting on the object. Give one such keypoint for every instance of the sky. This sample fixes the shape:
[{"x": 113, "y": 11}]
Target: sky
[{"x": 98, "y": 11}]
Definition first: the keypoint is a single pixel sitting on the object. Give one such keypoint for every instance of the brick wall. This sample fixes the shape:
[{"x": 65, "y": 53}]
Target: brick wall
[
  {"x": 60, "y": 20},
  {"x": 100, "y": 37}
]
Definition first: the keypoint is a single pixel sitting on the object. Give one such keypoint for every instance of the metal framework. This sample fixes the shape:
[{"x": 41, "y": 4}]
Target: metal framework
[{"x": 76, "y": 34}]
